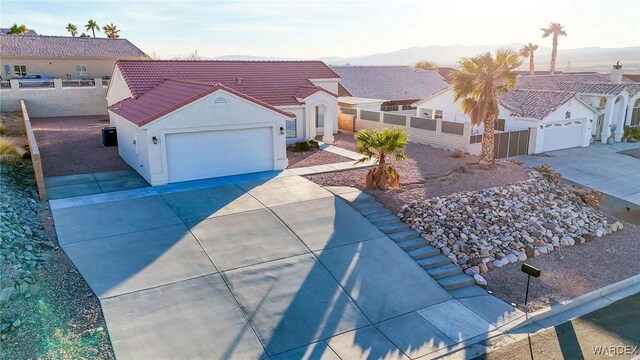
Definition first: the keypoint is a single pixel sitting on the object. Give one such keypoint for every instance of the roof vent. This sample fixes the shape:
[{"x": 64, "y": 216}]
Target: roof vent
[
  {"x": 239, "y": 80},
  {"x": 219, "y": 101}
]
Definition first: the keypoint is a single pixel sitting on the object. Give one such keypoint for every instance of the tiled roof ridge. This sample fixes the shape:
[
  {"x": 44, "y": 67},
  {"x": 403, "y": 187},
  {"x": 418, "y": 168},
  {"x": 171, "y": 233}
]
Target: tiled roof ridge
[
  {"x": 223, "y": 61},
  {"x": 66, "y": 37}
]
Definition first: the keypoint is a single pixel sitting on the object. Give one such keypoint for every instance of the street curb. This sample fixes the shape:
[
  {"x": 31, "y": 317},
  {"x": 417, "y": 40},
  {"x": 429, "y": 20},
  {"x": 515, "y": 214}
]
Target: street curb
[
  {"x": 580, "y": 300},
  {"x": 506, "y": 336}
]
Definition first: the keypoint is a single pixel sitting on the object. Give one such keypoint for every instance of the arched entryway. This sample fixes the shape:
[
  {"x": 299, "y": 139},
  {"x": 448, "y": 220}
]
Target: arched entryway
[{"x": 634, "y": 118}]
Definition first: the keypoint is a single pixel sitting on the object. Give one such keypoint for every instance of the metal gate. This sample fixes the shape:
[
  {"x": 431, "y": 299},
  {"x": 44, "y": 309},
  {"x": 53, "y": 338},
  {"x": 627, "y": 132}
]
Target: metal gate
[{"x": 508, "y": 144}]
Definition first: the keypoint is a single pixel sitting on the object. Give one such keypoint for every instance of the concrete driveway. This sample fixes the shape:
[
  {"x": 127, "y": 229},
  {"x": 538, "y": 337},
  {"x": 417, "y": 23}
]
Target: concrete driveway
[
  {"x": 598, "y": 166},
  {"x": 257, "y": 267}
]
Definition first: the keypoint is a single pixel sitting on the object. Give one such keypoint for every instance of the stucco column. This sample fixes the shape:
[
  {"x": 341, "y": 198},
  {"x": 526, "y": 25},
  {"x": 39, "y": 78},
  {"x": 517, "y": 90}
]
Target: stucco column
[
  {"x": 621, "y": 120},
  {"x": 606, "y": 122}
]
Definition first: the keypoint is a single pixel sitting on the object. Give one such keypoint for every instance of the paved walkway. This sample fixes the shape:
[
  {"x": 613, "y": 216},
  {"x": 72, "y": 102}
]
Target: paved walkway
[
  {"x": 59, "y": 187},
  {"x": 598, "y": 166},
  {"x": 266, "y": 265}
]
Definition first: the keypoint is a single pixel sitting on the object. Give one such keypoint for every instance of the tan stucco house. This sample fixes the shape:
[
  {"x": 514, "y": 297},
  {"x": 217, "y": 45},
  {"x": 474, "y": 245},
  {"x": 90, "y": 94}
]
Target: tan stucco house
[{"x": 63, "y": 57}]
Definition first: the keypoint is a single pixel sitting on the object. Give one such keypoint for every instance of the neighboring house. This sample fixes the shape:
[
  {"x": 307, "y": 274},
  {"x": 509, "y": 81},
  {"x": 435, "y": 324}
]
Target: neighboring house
[
  {"x": 29, "y": 32},
  {"x": 188, "y": 120},
  {"x": 396, "y": 87},
  {"x": 64, "y": 57},
  {"x": 570, "y": 109}
]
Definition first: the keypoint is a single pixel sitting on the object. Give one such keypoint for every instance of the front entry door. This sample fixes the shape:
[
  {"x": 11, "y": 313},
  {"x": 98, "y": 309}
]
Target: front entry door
[
  {"x": 319, "y": 120},
  {"x": 599, "y": 124}
]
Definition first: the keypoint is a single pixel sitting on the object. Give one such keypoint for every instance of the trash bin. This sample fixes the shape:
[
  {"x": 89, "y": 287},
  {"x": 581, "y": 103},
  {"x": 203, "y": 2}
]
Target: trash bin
[{"x": 109, "y": 136}]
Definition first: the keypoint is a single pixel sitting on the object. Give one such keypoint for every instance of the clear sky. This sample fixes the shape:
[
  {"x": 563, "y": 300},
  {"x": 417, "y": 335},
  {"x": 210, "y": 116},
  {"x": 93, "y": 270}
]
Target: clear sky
[{"x": 310, "y": 29}]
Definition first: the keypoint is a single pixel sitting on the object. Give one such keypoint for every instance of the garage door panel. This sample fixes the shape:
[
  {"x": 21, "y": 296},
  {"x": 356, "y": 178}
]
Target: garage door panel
[
  {"x": 562, "y": 137},
  {"x": 200, "y": 155}
]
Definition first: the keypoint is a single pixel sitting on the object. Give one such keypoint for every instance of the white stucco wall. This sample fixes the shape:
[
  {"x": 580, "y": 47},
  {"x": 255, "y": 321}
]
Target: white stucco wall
[
  {"x": 136, "y": 155},
  {"x": 451, "y": 111},
  {"x": 201, "y": 115},
  {"x": 118, "y": 89},
  {"x": 330, "y": 85}
]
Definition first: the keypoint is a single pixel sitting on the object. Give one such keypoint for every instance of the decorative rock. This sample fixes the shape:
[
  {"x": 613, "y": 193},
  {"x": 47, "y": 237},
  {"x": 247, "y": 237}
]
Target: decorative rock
[
  {"x": 480, "y": 280},
  {"x": 5, "y": 294},
  {"x": 490, "y": 228}
]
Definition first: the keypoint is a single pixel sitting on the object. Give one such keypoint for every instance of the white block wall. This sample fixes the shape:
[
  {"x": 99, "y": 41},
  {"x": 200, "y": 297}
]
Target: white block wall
[
  {"x": 436, "y": 138},
  {"x": 56, "y": 101}
]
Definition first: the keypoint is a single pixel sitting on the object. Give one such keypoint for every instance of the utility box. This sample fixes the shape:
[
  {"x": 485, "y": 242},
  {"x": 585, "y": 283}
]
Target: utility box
[{"x": 109, "y": 137}]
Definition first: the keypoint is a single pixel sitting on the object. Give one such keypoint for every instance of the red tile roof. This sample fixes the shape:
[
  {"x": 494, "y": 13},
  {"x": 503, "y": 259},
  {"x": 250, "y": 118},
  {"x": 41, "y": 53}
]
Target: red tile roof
[
  {"x": 277, "y": 83},
  {"x": 171, "y": 95}
]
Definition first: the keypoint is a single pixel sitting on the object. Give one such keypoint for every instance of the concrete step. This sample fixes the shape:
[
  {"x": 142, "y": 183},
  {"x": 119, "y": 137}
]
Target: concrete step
[
  {"x": 412, "y": 244},
  {"x": 386, "y": 219},
  {"x": 456, "y": 281},
  {"x": 423, "y": 252},
  {"x": 367, "y": 205},
  {"x": 444, "y": 271},
  {"x": 393, "y": 227},
  {"x": 375, "y": 213},
  {"x": 433, "y": 261},
  {"x": 403, "y": 235}
]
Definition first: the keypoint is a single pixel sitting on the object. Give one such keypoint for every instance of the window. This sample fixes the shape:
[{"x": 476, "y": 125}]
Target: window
[
  {"x": 408, "y": 107},
  {"x": 291, "y": 128},
  {"x": 389, "y": 108},
  {"x": 603, "y": 103},
  {"x": 438, "y": 114},
  {"x": 7, "y": 70},
  {"x": 635, "y": 114},
  {"x": 319, "y": 117},
  {"x": 81, "y": 69},
  {"x": 20, "y": 70}
]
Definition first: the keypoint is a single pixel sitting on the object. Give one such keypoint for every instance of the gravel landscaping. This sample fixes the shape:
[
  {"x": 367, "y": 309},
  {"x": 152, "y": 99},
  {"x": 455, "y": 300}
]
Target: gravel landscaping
[
  {"x": 488, "y": 229},
  {"x": 46, "y": 308},
  {"x": 313, "y": 157},
  {"x": 574, "y": 271},
  {"x": 73, "y": 145},
  {"x": 427, "y": 172}
]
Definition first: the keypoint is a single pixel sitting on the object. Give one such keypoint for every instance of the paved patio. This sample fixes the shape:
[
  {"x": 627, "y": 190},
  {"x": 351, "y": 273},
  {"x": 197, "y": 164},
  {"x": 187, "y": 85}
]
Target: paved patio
[
  {"x": 598, "y": 166},
  {"x": 258, "y": 266}
]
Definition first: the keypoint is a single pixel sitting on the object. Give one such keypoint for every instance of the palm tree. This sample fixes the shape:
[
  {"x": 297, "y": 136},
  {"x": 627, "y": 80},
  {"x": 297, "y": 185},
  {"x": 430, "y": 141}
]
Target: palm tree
[
  {"x": 527, "y": 52},
  {"x": 379, "y": 144},
  {"x": 92, "y": 25},
  {"x": 478, "y": 83},
  {"x": 83, "y": 35},
  {"x": 554, "y": 29},
  {"x": 426, "y": 65},
  {"x": 72, "y": 29},
  {"x": 18, "y": 30},
  {"x": 111, "y": 31}
]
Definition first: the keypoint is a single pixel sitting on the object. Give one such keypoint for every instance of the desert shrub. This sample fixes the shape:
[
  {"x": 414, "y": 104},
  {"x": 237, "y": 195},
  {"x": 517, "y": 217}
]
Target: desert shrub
[
  {"x": 547, "y": 171},
  {"x": 517, "y": 162},
  {"x": 9, "y": 159},
  {"x": 304, "y": 146},
  {"x": 456, "y": 154},
  {"x": 8, "y": 147},
  {"x": 631, "y": 134}
]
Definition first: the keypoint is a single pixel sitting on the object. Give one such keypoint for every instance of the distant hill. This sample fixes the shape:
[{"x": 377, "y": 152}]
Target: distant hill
[{"x": 582, "y": 59}]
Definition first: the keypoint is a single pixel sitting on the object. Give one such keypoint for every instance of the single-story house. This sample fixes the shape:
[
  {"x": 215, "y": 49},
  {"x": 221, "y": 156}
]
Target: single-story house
[
  {"x": 563, "y": 118},
  {"x": 396, "y": 86},
  {"x": 63, "y": 57},
  {"x": 187, "y": 120},
  {"x": 569, "y": 109}
]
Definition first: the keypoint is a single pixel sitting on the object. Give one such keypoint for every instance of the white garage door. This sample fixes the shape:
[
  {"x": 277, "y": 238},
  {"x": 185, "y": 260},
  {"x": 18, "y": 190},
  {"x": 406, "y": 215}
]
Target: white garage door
[
  {"x": 207, "y": 154},
  {"x": 562, "y": 137}
]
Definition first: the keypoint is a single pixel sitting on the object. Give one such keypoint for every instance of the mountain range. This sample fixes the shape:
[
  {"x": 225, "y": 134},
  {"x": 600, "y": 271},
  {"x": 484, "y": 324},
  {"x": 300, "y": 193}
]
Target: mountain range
[{"x": 580, "y": 59}]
